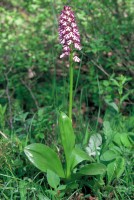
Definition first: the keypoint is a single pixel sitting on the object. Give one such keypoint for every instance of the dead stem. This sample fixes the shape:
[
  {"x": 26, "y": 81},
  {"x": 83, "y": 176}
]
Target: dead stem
[{"x": 3, "y": 134}]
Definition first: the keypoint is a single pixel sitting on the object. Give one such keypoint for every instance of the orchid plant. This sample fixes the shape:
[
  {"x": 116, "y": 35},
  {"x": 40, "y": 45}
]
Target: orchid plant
[
  {"x": 42, "y": 156},
  {"x": 70, "y": 38}
]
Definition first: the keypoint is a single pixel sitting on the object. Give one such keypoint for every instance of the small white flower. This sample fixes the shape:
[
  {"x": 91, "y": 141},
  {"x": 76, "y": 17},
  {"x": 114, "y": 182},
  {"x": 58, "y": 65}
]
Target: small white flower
[
  {"x": 76, "y": 59},
  {"x": 62, "y": 41},
  {"x": 64, "y": 17},
  {"x": 64, "y": 23},
  {"x": 73, "y": 24},
  {"x": 68, "y": 12},
  {"x": 62, "y": 55},
  {"x": 69, "y": 42},
  {"x": 69, "y": 19},
  {"x": 77, "y": 46},
  {"x": 66, "y": 48},
  {"x": 67, "y": 53},
  {"x": 71, "y": 34},
  {"x": 76, "y": 32},
  {"x": 67, "y": 36},
  {"x": 63, "y": 32},
  {"x": 68, "y": 28},
  {"x": 76, "y": 38}
]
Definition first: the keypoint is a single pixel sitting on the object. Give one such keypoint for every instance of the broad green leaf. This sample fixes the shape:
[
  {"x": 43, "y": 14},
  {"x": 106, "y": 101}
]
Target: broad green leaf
[
  {"x": 115, "y": 169},
  {"x": 53, "y": 179},
  {"x": 44, "y": 158},
  {"x": 111, "y": 171},
  {"x": 93, "y": 169},
  {"x": 115, "y": 148},
  {"x": 108, "y": 132},
  {"x": 62, "y": 187},
  {"x": 125, "y": 140},
  {"x": 114, "y": 106},
  {"x": 122, "y": 139},
  {"x": 108, "y": 155},
  {"x": 117, "y": 139},
  {"x": 77, "y": 156},
  {"x": 67, "y": 138},
  {"x": 120, "y": 166}
]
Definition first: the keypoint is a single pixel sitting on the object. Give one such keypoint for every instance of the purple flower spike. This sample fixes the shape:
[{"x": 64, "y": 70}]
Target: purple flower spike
[{"x": 68, "y": 33}]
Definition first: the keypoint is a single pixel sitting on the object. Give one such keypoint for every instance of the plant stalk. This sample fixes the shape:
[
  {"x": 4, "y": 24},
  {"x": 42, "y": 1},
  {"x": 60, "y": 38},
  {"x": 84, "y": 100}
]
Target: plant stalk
[{"x": 71, "y": 85}]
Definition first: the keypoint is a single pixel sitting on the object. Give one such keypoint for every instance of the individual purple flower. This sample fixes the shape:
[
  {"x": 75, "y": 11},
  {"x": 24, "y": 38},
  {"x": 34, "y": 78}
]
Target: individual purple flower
[{"x": 68, "y": 33}]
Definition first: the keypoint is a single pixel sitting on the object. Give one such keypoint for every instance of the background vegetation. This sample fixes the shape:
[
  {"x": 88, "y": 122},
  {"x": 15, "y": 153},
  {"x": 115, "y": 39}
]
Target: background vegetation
[{"x": 34, "y": 87}]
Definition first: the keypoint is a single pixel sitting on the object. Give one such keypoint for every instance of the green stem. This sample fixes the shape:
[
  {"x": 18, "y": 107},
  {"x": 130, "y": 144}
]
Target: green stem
[{"x": 71, "y": 85}]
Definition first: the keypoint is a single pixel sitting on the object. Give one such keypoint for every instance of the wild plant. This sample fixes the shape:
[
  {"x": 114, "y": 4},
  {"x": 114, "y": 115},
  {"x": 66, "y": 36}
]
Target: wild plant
[{"x": 65, "y": 166}]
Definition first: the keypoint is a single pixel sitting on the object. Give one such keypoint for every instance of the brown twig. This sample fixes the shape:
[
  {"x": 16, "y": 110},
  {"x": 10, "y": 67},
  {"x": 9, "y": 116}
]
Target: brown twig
[
  {"x": 100, "y": 67},
  {"x": 31, "y": 93}
]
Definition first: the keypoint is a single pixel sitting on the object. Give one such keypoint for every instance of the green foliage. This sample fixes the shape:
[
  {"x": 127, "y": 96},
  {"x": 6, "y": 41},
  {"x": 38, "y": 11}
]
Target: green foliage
[
  {"x": 117, "y": 150},
  {"x": 67, "y": 139},
  {"x": 93, "y": 169},
  {"x": 45, "y": 159},
  {"x": 53, "y": 179},
  {"x": 77, "y": 156},
  {"x": 34, "y": 85},
  {"x": 115, "y": 169}
]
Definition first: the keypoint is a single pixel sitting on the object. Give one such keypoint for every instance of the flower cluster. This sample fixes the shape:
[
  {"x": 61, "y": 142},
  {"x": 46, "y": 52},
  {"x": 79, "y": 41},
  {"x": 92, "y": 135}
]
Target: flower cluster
[{"x": 68, "y": 33}]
